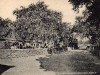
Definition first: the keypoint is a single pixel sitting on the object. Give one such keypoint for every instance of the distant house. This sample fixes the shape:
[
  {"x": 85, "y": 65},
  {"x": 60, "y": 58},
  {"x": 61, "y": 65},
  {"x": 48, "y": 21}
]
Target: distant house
[
  {"x": 9, "y": 39},
  {"x": 2, "y": 43},
  {"x": 82, "y": 41},
  {"x": 4, "y": 32}
]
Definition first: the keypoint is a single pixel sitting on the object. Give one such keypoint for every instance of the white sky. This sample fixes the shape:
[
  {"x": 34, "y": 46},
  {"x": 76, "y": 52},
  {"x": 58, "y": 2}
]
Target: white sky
[{"x": 7, "y": 7}]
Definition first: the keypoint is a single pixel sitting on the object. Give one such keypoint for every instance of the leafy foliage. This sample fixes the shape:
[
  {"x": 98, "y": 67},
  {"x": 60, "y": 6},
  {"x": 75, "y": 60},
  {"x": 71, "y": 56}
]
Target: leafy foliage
[
  {"x": 39, "y": 22},
  {"x": 91, "y": 19},
  {"x": 4, "y": 27}
]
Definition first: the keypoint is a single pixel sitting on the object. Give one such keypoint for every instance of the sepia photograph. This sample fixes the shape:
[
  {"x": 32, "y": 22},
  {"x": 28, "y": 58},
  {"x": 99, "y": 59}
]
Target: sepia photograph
[{"x": 49, "y": 37}]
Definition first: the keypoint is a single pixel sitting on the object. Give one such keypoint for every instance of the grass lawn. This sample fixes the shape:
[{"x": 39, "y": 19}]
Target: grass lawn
[{"x": 71, "y": 61}]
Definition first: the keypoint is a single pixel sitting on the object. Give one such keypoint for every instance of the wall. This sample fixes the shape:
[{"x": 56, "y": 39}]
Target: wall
[
  {"x": 2, "y": 44},
  {"x": 8, "y": 53}
]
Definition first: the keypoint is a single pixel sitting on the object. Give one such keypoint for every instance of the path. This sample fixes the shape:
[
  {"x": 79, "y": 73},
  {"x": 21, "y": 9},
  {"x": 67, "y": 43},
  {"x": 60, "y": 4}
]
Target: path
[{"x": 24, "y": 66}]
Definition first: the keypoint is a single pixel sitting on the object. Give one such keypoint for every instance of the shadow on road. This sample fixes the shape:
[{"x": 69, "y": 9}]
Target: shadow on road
[{"x": 3, "y": 68}]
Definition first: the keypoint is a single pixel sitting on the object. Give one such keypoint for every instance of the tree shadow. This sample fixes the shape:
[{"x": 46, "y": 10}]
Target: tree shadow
[
  {"x": 76, "y": 63},
  {"x": 4, "y": 68}
]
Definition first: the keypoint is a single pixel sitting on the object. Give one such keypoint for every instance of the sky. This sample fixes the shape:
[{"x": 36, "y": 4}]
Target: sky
[{"x": 8, "y": 6}]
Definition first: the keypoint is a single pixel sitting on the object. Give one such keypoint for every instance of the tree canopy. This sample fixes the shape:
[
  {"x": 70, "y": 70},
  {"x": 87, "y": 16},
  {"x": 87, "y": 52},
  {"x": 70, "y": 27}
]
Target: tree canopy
[
  {"x": 5, "y": 27},
  {"x": 91, "y": 19},
  {"x": 38, "y": 22}
]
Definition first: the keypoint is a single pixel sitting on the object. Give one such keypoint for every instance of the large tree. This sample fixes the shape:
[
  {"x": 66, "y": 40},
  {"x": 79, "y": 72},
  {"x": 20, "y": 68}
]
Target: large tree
[
  {"x": 91, "y": 19},
  {"x": 38, "y": 22}
]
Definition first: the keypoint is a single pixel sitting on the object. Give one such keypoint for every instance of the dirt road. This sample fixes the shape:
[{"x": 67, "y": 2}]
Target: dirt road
[
  {"x": 24, "y": 66},
  {"x": 58, "y": 64}
]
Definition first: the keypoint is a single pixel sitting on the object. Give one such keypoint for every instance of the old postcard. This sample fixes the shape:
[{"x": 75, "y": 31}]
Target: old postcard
[{"x": 49, "y": 37}]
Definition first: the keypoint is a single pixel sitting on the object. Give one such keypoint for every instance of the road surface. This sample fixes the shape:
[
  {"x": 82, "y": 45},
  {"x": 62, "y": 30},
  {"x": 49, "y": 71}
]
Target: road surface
[{"x": 70, "y": 60}]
